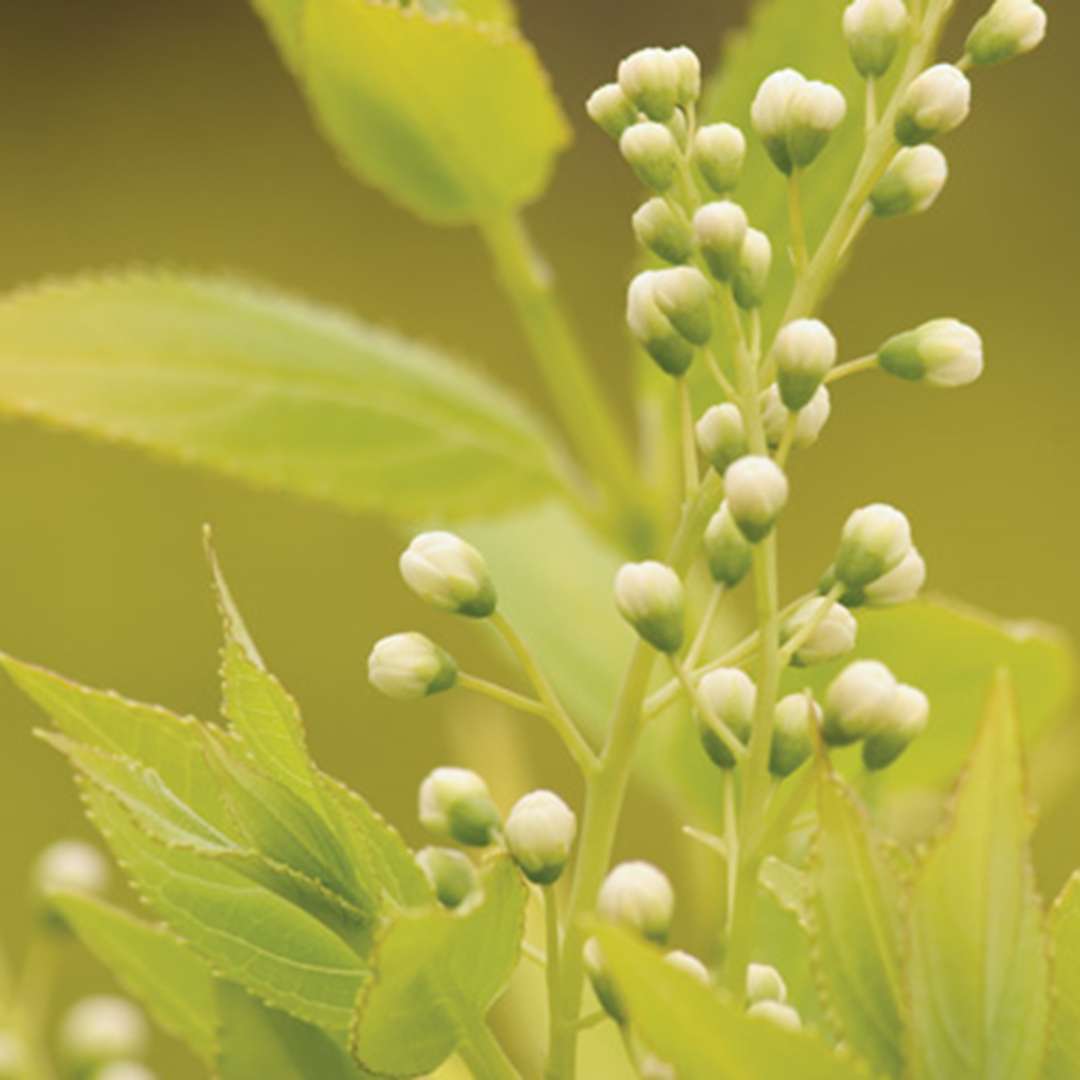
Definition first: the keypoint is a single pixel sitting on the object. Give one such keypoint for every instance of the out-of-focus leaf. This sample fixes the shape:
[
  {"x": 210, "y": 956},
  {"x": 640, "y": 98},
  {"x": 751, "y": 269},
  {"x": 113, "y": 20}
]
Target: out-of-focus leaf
[
  {"x": 1063, "y": 1061},
  {"x": 453, "y": 118},
  {"x": 703, "y": 1036},
  {"x": 977, "y": 964},
  {"x": 151, "y": 964},
  {"x": 857, "y": 928},
  {"x": 437, "y": 974},
  {"x": 272, "y": 391}
]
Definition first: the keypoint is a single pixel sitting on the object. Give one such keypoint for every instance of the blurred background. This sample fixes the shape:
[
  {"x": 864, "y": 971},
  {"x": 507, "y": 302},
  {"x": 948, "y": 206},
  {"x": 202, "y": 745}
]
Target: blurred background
[{"x": 151, "y": 132}]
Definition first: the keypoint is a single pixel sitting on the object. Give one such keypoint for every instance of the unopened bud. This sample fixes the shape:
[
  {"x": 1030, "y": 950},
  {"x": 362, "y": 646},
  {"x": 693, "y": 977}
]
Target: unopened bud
[
  {"x": 731, "y": 696},
  {"x": 912, "y": 182},
  {"x": 684, "y": 296},
  {"x": 602, "y": 983},
  {"x": 816, "y": 110},
  {"x": 455, "y": 804},
  {"x": 637, "y": 896},
  {"x": 611, "y": 110},
  {"x": 764, "y": 983},
  {"x": 721, "y": 435},
  {"x": 874, "y": 540},
  {"x": 856, "y": 700},
  {"x": 805, "y": 352},
  {"x": 650, "y": 597},
  {"x": 71, "y": 866},
  {"x": 943, "y": 352},
  {"x": 901, "y": 584},
  {"x": 662, "y": 231},
  {"x": 795, "y": 721},
  {"x": 690, "y": 964},
  {"x": 718, "y": 154},
  {"x": 769, "y": 114},
  {"x": 103, "y": 1028},
  {"x": 448, "y": 573},
  {"x": 728, "y": 552},
  {"x": 756, "y": 490},
  {"x": 833, "y": 637},
  {"x": 1010, "y": 28},
  {"x": 809, "y": 423},
  {"x": 936, "y": 102},
  {"x": 652, "y": 79},
  {"x": 652, "y": 152},
  {"x": 410, "y": 666},
  {"x": 782, "y": 1015},
  {"x": 752, "y": 277},
  {"x": 720, "y": 229},
  {"x": 451, "y": 874},
  {"x": 874, "y": 30},
  {"x": 652, "y": 329},
  {"x": 901, "y": 722},
  {"x": 540, "y": 832},
  {"x": 688, "y": 67}
]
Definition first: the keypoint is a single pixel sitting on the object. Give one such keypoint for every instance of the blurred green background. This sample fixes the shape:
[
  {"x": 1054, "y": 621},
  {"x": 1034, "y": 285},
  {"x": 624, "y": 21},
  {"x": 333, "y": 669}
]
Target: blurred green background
[{"x": 144, "y": 131}]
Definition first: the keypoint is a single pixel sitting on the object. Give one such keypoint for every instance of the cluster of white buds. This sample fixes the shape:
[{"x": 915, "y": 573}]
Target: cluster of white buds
[
  {"x": 650, "y": 597},
  {"x": 876, "y": 562},
  {"x": 729, "y": 697},
  {"x": 1009, "y": 29},
  {"x": 756, "y": 490},
  {"x": 668, "y": 313},
  {"x": 794, "y": 117},
  {"x": 912, "y": 182},
  {"x": 448, "y": 573},
  {"x": 455, "y": 805},
  {"x": 540, "y": 834},
  {"x": 874, "y": 30},
  {"x": 102, "y": 1029},
  {"x": 450, "y": 873},
  {"x": 942, "y": 352},
  {"x": 410, "y": 666},
  {"x": 638, "y": 897},
  {"x": 935, "y": 103}
]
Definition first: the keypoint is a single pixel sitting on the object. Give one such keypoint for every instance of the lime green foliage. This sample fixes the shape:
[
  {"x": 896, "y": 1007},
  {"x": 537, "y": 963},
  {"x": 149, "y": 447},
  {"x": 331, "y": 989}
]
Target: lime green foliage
[
  {"x": 703, "y": 1036},
  {"x": 1063, "y": 1059},
  {"x": 977, "y": 956},
  {"x": 272, "y": 391},
  {"x": 414, "y": 100}
]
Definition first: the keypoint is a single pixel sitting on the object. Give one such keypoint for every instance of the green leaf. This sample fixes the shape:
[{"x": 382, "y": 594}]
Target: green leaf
[
  {"x": 951, "y": 653},
  {"x": 437, "y": 974},
  {"x": 151, "y": 964},
  {"x": 270, "y": 946},
  {"x": 702, "y": 1035},
  {"x": 272, "y": 391},
  {"x": 1063, "y": 1061},
  {"x": 452, "y": 118},
  {"x": 978, "y": 971},
  {"x": 257, "y": 1041},
  {"x": 857, "y": 928}
]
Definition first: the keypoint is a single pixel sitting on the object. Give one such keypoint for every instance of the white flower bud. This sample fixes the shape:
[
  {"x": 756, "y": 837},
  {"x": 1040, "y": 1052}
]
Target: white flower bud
[
  {"x": 1010, "y": 28},
  {"x": 451, "y": 874},
  {"x": 652, "y": 152},
  {"x": 12, "y": 1056},
  {"x": 103, "y": 1028},
  {"x": 690, "y": 964},
  {"x": 899, "y": 585},
  {"x": 943, "y": 352},
  {"x": 662, "y": 231},
  {"x": 639, "y": 897},
  {"x": 856, "y": 700},
  {"x": 936, "y": 102},
  {"x": 410, "y": 666},
  {"x": 649, "y": 596},
  {"x": 124, "y": 1070},
  {"x": 731, "y": 697},
  {"x": 756, "y": 490},
  {"x": 652, "y": 80},
  {"x": 684, "y": 296},
  {"x": 874, "y": 30},
  {"x": 602, "y": 984},
  {"x": 71, "y": 866},
  {"x": 832, "y": 638},
  {"x": 455, "y": 804},
  {"x": 874, "y": 540},
  {"x": 769, "y": 114},
  {"x": 912, "y": 182},
  {"x": 815, "y": 111},
  {"x": 727, "y": 551},
  {"x": 653, "y": 329},
  {"x": 752, "y": 277},
  {"x": 611, "y": 110},
  {"x": 900, "y": 723},
  {"x": 796, "y": 719},
  {"x": 718, "y": 154},
  {"x": 688, "y": 67},
  {"x": 805, "y": 352},
  {"x": 782, "y": 1015},
  {"x": 720, "y": 229},
  {"x": 721, "y": 435},
  {"x": 764, "y": 983},
  {"x": 811, "y": 420},
  {"x": 448, "y": 573},
  {"x": 540, "y": 832}
]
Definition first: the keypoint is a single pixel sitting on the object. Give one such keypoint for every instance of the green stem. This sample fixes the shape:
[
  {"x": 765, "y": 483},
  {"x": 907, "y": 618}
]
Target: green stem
[
  {"x": 852, "y": 367},
  {"x": 585, "y": 411},
  {"x": 691, "y": 477},
  {"x": 554, "y": 949},
  {"x": 708, "y": 617},
  {"x": 483, "y": 1054},
  {"x": 31, "y": 1005},
  {"x": 501, "y": 694},
  {"x": 797, "y": 224}
]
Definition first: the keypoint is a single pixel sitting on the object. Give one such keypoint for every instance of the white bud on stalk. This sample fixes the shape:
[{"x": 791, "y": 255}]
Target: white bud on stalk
[
  {"x": 816, "y": 110},
  {"x": 833, "y": 637},
  {"x": 810, "y": 419},
  {"x": 856, "y": 700},
  {"x": 720, "y": 230},
  {"x": 650, "y": 597},
  {"x": 651, "y": 150},
  {"x": 874, "y": 30},
  {"x": 942, "y": 352},
  {"x": 899, "y": 585},
  {"x": 611, "y": 110},
  {"x": 912, "y": 183},
  {"x": 900, "y": 723},
  {"x": 540, "y": 833},
  {"x": 651, "y": 78},
  {"x": 718, "y": 154},
  {"x": 721, "y": 435},
  {"x": 103, "y": 1028},
  {"x": 764, "y": 983},
  {"x": 796, "y": 719},
  {"x": 71, "y": 866},
  {"x": 663, "y": 232},
  {"x": 688, "y": 68},
  {"x": 1009, "y": 29},
  {"x": 752, "y": 277},
  {"x": 668, "y": 313},
  {"x": 730, "y": 696},
  {"x": 769, "y": 114},
  {"x": 875, "y": 539},
  {"x": 410, "y": 666},
  {"x": 728, "y": 553},
  {"x": 639, "y": 897},
  {"x": 805, "y": 352},
  {"x": 757, "y": 491},
  {"x": 448, "y": 573},
  {"x": 455, "y": 804},
  {"x": 690, "y": 964},
  {"x": 450, "y": 873},
  {"x": 935, "y": 103}
]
